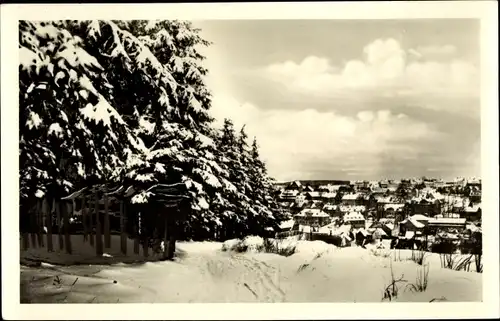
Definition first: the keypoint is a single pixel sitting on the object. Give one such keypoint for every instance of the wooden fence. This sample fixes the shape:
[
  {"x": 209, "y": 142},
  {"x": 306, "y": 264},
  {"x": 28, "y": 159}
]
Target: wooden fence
[
  {"x": 282, "y": 235},
  {"x": 96, "y": 222}
]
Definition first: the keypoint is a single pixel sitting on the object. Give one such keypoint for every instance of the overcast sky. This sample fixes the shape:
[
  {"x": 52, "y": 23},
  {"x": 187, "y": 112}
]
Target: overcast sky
[{"x": 344, "y": 99}]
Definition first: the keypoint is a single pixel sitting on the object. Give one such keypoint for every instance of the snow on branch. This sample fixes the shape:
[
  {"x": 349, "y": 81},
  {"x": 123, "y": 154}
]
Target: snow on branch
[
  {"x": 34, "y": 120},
  {"x": 101, "y": 112},
  {"x": 141, "y": 198}
]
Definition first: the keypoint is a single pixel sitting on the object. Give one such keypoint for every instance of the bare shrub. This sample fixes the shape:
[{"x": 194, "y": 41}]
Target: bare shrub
[
  {"x": 479, "y": 263},
  {"x": 450, "y": 259},
  {"x": 302, "y": 267},
  {"x": 392, "y": 289},
  {"x": 381, "y": 253},
  {"x": 241, "y": 248},
  {"x": 464, "y": 263},
  {"x": 397, "y": 256},
  {"x": 287, "y": 251},
  {"x": 276, "y": 248},
  {"x": 418, "y": 256},
  {"x": 268, "y": 246},
  {"x": 456, "y": 262},
  {"x": 477, "y": 251},
  {"x": 422, "y": 280}
]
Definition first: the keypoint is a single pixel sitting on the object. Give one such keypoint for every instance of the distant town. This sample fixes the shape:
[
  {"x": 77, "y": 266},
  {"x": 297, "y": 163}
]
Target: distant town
[{"x": 363, "y": 211}]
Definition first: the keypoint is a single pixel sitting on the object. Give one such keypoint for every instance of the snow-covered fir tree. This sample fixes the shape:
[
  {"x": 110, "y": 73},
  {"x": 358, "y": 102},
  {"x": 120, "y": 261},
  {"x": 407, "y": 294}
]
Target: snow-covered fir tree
[
  {"x": 116, "y": 101},
  {"x": 268, "y": 213},
  {"x": 71, "y": 133}
]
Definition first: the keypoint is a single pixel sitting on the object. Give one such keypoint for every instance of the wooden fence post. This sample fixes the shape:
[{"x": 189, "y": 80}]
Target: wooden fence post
[
  {"x": 136, "y": 230},
  {"x": 123, "y": 230},
  {"x": 24, "y": 228},
  {"x": 107, "y": 235},
  {"x": 67, "y": 237},
  {"x": 165, "y": 237},
  {"x": 26, "y": 241},
  {"x": 33, "y": 226},
  {"x": 99, "y": 249},
  {"x": 145, "y": 234},
  {"x": 59, "y": 229},
  {"x": 40, "y": 225},
  {"x": 91, "y": 222},
  {"x": 84, "y": 218},
  {"x": 47, "y": 210},
  {"x": 170, "y": 246}
]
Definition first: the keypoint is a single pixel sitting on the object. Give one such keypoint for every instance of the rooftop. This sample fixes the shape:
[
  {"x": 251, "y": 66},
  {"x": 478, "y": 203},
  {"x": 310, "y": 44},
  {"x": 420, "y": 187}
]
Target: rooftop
[
  {"x": 447, "y": 220},
  {"x": 354, "y": 216}
]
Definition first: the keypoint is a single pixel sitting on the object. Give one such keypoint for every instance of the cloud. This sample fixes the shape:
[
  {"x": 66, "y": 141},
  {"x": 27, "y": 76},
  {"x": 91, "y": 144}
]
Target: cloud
[
  {"x": 299, "y": 143},
  {"x": 436, "y": 51},
  {"x": 386, "y": 69}
]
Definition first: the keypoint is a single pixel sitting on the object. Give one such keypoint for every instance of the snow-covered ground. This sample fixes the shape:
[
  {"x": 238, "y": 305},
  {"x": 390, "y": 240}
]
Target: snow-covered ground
[{"x": 204, "y": 273}]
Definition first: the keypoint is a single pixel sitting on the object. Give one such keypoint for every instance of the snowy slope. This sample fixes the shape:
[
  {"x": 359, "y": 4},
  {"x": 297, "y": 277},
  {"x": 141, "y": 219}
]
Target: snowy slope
[{"x": 206, "y": 274}]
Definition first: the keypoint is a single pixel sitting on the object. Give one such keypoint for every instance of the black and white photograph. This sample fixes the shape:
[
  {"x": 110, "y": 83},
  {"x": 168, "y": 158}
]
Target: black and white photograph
[{"x": 237, "y": 160}]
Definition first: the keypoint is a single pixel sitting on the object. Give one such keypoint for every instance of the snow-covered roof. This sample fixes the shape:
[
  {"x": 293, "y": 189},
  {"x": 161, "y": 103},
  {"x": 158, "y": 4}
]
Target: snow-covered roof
[
  {"x": 393, "y": 206},
  {"x": 329, "y": 188},
  {"x": 329, "y": 207},
  {"x": 328, "y": 195},
  {"x": 474, "y": 181},
  {"x": 287, "y": 224},
  {"x": 353, "y": 216},
  {"x": 295, "y": 183},
  {"x": 473, "y": 209},
  {"x": 409, "y": 234},
  {"x": 386, "y": 220},
  {"x": 389, "y": 225},
  {"x": 305, "y": 228},
  {"x": 363, "y": 231},
  {"x": 445, "y": 235},
  {"x": 343, "y": 229},
  {"x": 430, "y": 194},
  {"x": 386, "y": 199},
  {"x": 313, "y": 194},
  {"x": 378, "y": 189},
  {"x": 473, "y": 228},
  {"x": 379, "y": 231},
  {"x": 327, "y": 228},
  {"x": 456, "y": 200},
  {"x": 314, "y": 212},
  {"x": 419, "y": 199},
  {"x": 289, "y": 193},
  {"x": 348, "y": 197},
  {"x": 380, "y": 224},
  {"x": 352, "y": 208},
  {"x": 415, "y": 223},
  {"x": 419, "y": 217},
  {"x": 447, "y": 220}
]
